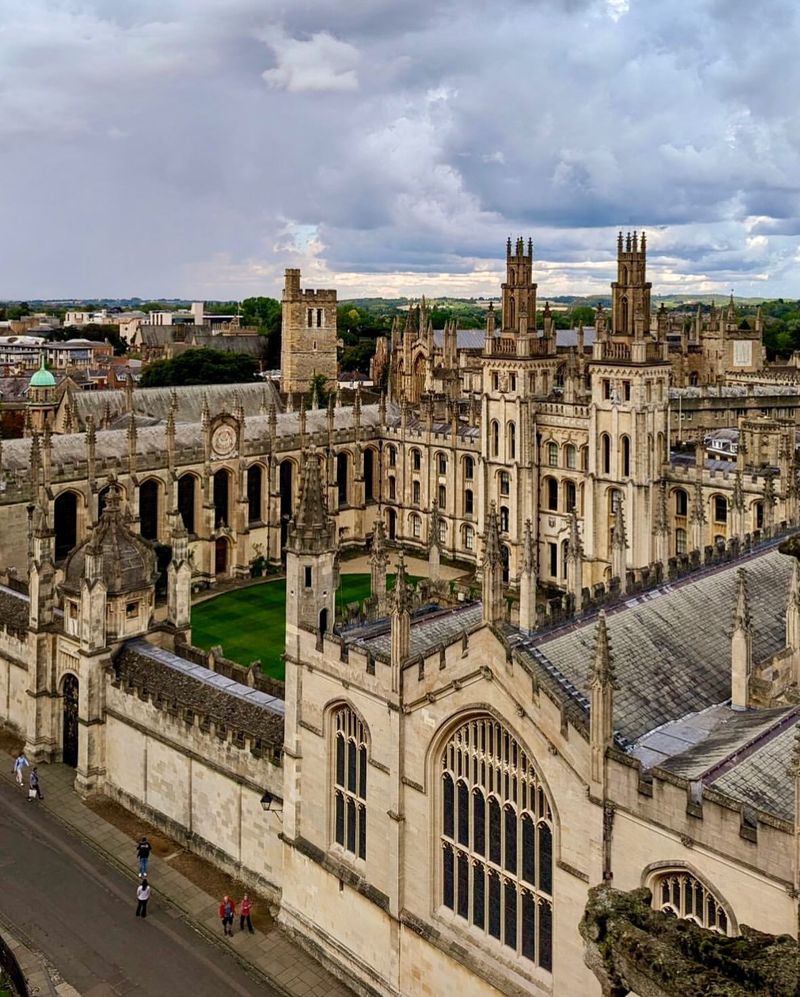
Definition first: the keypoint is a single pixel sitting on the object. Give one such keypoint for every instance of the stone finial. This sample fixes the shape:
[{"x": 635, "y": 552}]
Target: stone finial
[
  {"x": 741, "y": 609},
  {"x": 620, "y": 537},
  {"x": 528, "y": 550},
  {"x": 574, "y": 543},
  {"x": 737, "y": 497},
  {"x": 205, "y": 416},
  {"x": 491, "y": 552},
  {"x": 741, "y": 646},
  {"x": 311, "y": 530},
  {"x": 402, "y": 589},
  {"x": 602, "y": 669}
]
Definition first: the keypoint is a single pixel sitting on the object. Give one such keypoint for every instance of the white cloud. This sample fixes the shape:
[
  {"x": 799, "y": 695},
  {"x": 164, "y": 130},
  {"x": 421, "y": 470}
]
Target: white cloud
[{"x": 316, "y": 64}]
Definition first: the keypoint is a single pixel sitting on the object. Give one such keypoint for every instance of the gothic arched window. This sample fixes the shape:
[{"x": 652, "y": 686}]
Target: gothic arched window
[
  {"x": 679, "y": 893},
  {"x": 350, "y": 782},
  {"x": 511, "y": 441},
  {"x": 497, "y": 840},
  {"x": 469, "y": 468},
  {"x": 605, "y": 453},
  {"x": 495, "y": 430}
]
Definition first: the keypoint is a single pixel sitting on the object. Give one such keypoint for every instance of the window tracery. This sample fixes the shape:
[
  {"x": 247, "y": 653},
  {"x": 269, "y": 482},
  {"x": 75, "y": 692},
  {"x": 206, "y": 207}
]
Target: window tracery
[
  {"x": 497, "y": 840},
  {"x": 679, "y": 893},
  {"x": 350, "y": 782}
]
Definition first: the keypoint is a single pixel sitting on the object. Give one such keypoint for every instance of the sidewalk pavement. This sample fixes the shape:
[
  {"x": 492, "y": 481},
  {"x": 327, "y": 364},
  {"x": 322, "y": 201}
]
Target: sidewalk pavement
[{"x": 275, "y": 956}]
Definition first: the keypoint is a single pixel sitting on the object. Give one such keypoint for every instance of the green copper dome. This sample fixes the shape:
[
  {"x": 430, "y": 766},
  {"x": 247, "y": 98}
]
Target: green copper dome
[{"x": 43, "y": 378}]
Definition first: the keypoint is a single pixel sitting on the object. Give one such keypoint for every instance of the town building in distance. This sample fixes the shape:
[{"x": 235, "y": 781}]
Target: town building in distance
[{"x": 610, "y": 695}]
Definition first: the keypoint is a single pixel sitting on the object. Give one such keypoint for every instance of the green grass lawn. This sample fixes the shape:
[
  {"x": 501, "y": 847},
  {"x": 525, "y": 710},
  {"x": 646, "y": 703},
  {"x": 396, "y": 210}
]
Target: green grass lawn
[{"x": 250, "y": 623}]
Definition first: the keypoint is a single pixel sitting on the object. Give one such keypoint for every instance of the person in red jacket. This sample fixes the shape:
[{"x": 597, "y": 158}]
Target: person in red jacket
[
  {"x": 245, "y": 907},
  {"x": 227, "y": 912}
]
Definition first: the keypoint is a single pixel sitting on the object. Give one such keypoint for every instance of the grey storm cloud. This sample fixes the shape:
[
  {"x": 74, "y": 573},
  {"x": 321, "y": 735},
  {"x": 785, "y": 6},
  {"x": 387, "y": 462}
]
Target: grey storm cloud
[{"x": 188, "y": 147}]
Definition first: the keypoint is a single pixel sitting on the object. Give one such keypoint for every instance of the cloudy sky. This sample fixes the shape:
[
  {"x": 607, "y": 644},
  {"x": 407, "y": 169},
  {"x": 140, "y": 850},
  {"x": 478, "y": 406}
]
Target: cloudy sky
[{"x": 197, "y": 147}]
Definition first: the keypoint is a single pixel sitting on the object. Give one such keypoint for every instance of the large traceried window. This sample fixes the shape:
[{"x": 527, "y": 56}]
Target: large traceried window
[
  {"x": 681, "y": 894},
  {"x": 497, "y": 840},
  {"x": 350, "y": 782}
]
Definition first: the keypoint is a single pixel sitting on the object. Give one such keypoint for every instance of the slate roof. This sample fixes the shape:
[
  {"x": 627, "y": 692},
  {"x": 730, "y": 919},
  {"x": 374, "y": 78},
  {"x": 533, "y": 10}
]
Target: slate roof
[
  {"x": 164, "y": 675},
  {"x": 155, "y": 403},
  {"x": 14, "y": 609},
  {"x": 762, "y": 780},
  {"x": 427, "y": 633},
  {"x": 671, "y": 647}
]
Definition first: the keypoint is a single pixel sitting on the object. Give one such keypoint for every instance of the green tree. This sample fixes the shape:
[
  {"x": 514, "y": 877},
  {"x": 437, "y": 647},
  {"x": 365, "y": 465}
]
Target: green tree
[
  {"x": 319, "y": 384},
  {"x": 201, "y": 366},
  {"x": 265, "y": 315}
]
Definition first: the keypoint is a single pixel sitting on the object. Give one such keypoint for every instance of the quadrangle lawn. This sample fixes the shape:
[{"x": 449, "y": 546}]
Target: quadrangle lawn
[{"x": 250, "y": 623}]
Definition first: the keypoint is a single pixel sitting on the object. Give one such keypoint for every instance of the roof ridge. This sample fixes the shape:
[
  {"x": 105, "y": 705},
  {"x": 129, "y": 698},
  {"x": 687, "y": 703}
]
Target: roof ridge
[{"x": 750, "y": 747}]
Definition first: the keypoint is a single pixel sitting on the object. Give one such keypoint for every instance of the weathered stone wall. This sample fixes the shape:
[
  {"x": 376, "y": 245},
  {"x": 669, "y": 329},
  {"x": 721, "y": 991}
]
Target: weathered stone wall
[{"x": 203, "y": 789}]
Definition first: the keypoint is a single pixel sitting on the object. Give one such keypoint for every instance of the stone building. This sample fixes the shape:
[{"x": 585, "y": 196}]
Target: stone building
[
  {"x": 452, "y": 780},
  {"x": 451, "y": 785}
]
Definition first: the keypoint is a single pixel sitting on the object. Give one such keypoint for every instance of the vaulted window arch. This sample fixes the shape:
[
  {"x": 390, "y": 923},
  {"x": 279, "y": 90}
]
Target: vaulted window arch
[
  {"x": 496, "y": 840},
  {"x": 350, "y": 759}
]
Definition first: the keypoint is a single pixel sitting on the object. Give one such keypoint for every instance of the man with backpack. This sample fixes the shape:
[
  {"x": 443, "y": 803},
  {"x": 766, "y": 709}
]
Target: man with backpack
[{"x": 227, "y": 911}]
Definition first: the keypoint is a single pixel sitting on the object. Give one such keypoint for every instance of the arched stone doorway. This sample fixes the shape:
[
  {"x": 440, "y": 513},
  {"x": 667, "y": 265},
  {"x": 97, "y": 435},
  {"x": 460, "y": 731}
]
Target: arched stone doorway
[
  {"x": 69, "y": 693},
  {"x": 221, "y": 556}
]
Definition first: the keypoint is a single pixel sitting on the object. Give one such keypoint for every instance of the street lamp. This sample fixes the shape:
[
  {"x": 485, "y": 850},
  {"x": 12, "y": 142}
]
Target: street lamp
[{"x": 271, "y": 803}]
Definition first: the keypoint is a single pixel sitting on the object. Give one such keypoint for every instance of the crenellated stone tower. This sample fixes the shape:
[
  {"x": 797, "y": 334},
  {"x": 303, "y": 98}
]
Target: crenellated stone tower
[{"x": 308, "y": 337}]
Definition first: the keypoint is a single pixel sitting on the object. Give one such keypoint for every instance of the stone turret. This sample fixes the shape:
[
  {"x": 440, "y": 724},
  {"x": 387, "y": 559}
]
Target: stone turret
[
  {"x": 109, "y": 581},
  {"x": 741, "y": 645},
  {"x": 311, "y": 571}
]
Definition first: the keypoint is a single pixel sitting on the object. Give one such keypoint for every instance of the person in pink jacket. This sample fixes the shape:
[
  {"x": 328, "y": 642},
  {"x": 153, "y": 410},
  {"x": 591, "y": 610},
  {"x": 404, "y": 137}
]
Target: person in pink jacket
[{"x": 245, "y": 907}]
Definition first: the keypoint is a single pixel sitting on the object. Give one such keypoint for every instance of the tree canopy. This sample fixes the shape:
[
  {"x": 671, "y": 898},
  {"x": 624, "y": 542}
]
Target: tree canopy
[{"x": 201, "y": 366}]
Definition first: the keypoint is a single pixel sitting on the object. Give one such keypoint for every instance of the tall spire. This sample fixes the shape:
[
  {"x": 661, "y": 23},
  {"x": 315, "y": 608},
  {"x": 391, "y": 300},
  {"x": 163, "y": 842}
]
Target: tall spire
[{"x": 311, "y": 530}]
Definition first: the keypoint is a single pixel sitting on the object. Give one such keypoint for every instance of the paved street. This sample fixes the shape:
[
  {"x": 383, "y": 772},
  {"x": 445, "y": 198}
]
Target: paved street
[{"x": 79, "y": 911}]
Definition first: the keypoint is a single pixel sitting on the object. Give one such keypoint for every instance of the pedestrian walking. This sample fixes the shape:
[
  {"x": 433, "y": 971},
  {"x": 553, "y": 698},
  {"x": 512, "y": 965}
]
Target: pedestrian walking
[
  {"x": 227, "y": 911},
  {"x": 143, "y": 850},
  {"x": 20, "y": 763},
  {"x": 35, "y": 789},
  {"x": 142, "y": 896},
  {"x": 245, "y": 908}
]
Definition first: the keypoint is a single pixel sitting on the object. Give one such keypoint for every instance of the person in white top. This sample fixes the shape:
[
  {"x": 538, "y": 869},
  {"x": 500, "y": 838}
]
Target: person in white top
[
  {"x": 20, "y": 762},
  {"x": 142, "y": 895}
]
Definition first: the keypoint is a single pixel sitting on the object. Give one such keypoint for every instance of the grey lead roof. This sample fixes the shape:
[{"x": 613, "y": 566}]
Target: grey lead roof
[
  {"x": 762, "y": 780},
  {"x": 671, "y": 647},
  {"x": 426, "y": 634}
]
